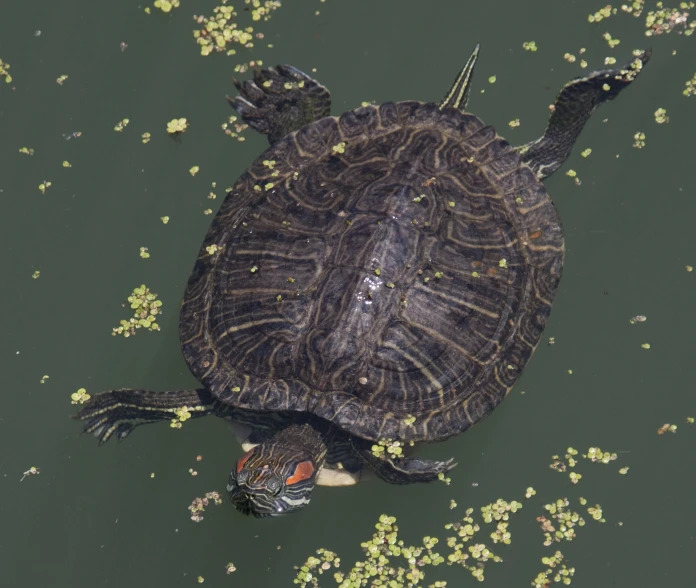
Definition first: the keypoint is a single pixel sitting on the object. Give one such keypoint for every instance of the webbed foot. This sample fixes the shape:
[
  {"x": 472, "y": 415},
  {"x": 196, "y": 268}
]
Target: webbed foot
[
  {"x": 118, "y": 412},
  {"x": 402, "y": 470},
  {"x": 280, "y": 100}
]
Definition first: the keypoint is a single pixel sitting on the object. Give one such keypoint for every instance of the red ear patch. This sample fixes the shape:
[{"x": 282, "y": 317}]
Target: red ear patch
[
  {"x": 303, "y": 471},
  {"x": 242, "y": 460}
]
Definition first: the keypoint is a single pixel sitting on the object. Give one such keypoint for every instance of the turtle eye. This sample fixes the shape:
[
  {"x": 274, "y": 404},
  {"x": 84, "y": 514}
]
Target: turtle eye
[{"x": 274, "y": 485}]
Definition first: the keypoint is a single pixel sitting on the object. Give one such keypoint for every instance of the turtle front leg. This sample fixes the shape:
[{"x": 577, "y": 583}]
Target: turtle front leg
[
  {"x": 120, "y": 411},
  {"x": 402, "y": 470},
  {"x": 575, "y": 103},
  {"x": 280, "y": 100}
]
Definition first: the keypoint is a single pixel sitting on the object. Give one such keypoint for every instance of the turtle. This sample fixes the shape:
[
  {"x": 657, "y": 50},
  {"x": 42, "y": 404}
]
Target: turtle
[{"x": 372, "y": 282}]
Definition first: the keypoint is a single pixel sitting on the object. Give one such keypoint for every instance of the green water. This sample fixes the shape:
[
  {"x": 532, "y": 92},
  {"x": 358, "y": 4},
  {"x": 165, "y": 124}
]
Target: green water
[{"x": 95, "y": 516}]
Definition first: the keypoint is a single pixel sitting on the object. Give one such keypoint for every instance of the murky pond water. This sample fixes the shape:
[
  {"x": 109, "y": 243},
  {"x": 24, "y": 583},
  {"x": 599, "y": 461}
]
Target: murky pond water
[{"x": 117, "y": 515}]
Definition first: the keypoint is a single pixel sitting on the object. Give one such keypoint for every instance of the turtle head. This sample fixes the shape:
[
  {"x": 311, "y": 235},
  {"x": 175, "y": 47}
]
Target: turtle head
[{"x": 270, "y": 480}]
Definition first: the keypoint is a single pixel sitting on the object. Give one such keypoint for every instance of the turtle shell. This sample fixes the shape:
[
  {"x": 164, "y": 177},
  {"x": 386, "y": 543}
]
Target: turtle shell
[{"x": 390, "y": 270}]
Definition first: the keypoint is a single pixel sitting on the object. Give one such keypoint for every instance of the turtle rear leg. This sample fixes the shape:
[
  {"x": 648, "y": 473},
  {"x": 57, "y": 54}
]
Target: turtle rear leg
[
  {"x": 280, "y": 100},
  {"x": 574, "y": 105},
  {"x": 118, "y": 412},
  {"x": 402, "y": 470}
]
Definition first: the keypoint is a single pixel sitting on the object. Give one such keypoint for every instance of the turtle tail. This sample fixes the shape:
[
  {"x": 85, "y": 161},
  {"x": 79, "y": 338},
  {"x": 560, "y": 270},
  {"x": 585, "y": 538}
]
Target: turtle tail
[
  {"x": 118, "y": 412},
  {"x": 458, "y": 94},
  {"x": 575, "y": 103}
]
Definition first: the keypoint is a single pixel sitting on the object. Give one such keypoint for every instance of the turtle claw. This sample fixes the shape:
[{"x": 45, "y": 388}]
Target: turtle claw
[
  {"x": 118, "y": 412},
  {"x": 449, "y": 465},
  {"x": 409, "y": 470},
  {"x": 402, "y": 470},
  {"x": 110, "y": 414},
  {"x": 280, "y": 100}
]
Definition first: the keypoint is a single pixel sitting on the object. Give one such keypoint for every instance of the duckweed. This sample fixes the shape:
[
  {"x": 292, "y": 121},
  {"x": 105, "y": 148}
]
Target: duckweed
[
  {"x": 389, "y": 562},
  {"x": 5, "y": 71},
  {"x": 32, "y": 471},
  {"x": 409, "y": 420},
  {"x": 182, "y": 415},
  {"x": 176, "y": 126},
  {"x": 221, "y": 31},
  {"x": 79, "y": 397},
  {"x": 198, "y": 505},
  {"x": 661, "y": 116},
  {"x": 612, "y": 42},
  {"x": 601, "y": 14},
  {"x": 666, "y": 20},
  {"x": 529, "y": 46},
  {"x": 145, "y": 307},
  {"x": 166, "y": 5},
  {"x": 238, "y": 128},
  {"x": 690, "y": 87},
  {"x": 556, "y": 570},
  {"x": 596, "y": 513},
  {"x": 387, "y": 446}
]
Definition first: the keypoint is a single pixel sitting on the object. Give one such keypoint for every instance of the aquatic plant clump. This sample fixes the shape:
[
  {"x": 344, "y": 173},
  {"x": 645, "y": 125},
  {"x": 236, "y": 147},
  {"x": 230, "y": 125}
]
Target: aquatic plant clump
[
  {"x": 556, "y": 571},
  {"x": 391, "y": 563},
  {"x": 379, "y": 568},
  {"x": 198, "y": 505},
  {"x": 5, "y": 71},
  {"x": 176, "y": 126},
  {"x": 659, "y": 21},
  {"x": 639, "y": 140},
  {"x": 167, "y": 5},
  {"x": 122, "y": 124},
  {"x": 221, "y": 31},
  {"x": 146, "y": 307},
  {"x": 79, "y": 397},
  {"x": 238, "y": 128}
]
